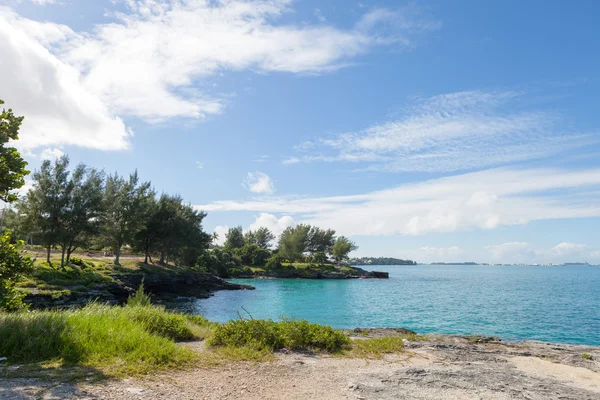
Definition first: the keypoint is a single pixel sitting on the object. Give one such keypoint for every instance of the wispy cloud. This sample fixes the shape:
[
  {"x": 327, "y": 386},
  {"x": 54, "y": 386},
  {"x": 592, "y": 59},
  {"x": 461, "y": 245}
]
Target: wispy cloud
[
  {"x": 259, "y": 182},
  {"x": 156, "y": 59},
  {"x": 480, "y": 200},
  {"x": 450, "y": 132}
]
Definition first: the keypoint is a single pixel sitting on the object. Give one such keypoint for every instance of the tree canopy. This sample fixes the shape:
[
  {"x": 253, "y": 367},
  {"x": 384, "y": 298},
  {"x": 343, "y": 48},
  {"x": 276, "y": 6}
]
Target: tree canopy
[
  {"x": 342, "y": 247},
  {"x": 12, "y": 166}
]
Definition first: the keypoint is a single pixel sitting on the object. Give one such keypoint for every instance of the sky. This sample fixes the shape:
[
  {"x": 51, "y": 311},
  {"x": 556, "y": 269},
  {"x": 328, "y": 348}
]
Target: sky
[{"x": 430, "y": 130}]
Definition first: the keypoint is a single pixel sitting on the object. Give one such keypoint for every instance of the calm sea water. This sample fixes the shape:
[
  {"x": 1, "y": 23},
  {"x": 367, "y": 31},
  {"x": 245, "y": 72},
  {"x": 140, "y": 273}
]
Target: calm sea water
[{"x": 557, "y": 304}]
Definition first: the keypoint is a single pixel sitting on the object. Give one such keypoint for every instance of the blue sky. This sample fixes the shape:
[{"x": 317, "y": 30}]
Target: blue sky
[{"x": 429, "y": 130}]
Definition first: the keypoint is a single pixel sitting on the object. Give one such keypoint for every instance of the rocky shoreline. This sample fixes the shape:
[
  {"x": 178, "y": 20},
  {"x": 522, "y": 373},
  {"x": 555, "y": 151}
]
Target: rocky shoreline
[
  {"x": 163, "y": 286},
  {"x": 316, "y": 273},
  {"x": 449, "y": 367}
]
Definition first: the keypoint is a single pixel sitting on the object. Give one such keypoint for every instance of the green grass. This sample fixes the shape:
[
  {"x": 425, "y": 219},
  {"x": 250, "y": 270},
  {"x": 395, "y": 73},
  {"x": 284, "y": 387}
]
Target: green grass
[
  {"x": 114, "y": 340},
  {"x": 375, "y": 348},
  {"x": 586, "y": 356},
  {"x": 232, "y": 354},
  {"x": 270, "y": 335}
]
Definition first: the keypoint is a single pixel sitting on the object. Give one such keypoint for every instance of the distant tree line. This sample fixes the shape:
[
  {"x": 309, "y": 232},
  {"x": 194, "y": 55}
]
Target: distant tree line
[
  {"x": 380, "y": 261},
  {"x": 301, "y": 243}
]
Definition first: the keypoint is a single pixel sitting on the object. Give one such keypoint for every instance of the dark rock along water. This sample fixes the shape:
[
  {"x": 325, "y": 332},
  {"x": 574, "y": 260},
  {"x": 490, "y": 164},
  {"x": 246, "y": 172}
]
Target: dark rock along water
[{"x": 555, "y": 304}]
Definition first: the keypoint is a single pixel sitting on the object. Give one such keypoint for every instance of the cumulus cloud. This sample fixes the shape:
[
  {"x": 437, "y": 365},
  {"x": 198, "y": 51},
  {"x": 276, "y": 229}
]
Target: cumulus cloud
[
  {"x": 522, "y": 252},
  {"x": 35, "y": 83},
  {"x": 51, "y": 154},
  {"x": 479, "y": 200},
  {"x": 566, "y": 249},
  {"x": 259, "y": 182},
  {"x": 154, "y": 60},
  {"x": 274, "y": 224},
  {"x": 221, "y": 232},
  {"x": 450, "y": 132}
]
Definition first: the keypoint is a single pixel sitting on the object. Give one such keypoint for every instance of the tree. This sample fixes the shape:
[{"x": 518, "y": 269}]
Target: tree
[
  {"x": 174, "y": 230},
  {"x": 84, "y": 209},
  {"x": 125, "y": 206},
  {"x": 13, "y": 264},
  {"x": 261, "y": 237},
  {"x": 320, "y": 240},
  {"x": 254, "y": 255},
  {"x": 46, "y": 203},
  {"x": 234, "y": 239},
  {"x": 293, "y": 242},
  {"x": 342, "y": 247},
  {"x": 12, "y": 166},
  {"x": 147, "y": 238}
]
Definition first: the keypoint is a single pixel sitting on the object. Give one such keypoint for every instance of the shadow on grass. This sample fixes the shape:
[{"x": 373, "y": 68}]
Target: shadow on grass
[{"x": 40, "y": 346}]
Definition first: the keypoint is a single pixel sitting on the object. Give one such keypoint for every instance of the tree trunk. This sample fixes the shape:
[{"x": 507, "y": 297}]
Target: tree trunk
[
  {"x": 117, "y": 254},
  {"x": 62, "y": 259},
  {"x": 48, "y": 255},
  {"x": 162, "y": 258}
]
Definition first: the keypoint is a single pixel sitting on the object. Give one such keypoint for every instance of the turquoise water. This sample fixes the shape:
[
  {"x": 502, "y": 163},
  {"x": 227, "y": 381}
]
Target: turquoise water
[{"x": 557, "y": 304}]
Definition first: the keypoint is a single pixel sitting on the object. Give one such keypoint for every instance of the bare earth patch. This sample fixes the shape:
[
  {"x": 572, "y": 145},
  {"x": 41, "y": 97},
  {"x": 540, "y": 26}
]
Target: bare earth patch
[{"x": 447, "y": 367}]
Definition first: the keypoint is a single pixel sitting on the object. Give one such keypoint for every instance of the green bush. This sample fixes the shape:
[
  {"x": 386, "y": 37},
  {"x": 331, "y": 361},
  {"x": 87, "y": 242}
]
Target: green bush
[
  {"x": 158, "y": 321},
  {"x": 14, "y": 263},
  {"x": 116, "y": 340},
  {"x": 140, "y": 299},
  {"x": 268, "y": 334},
  {"x": 78, "y": 262},
  {"x": 274, "y": 262}
]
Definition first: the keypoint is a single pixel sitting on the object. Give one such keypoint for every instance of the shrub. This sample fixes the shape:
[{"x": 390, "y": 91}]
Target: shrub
[
  {"x": 157, "y": 320},
  {"x": 140, "y": 299},
  {"x": 586, "y": 356},
  {"x": 320, "y": 258},
  {"x": 267, "y": 334},
  {"x": 78, "y": 261},
  {"x": 13, "y": 264},
  {"x": 112, "y": 339},
  {"x": 274, "y": 262}
]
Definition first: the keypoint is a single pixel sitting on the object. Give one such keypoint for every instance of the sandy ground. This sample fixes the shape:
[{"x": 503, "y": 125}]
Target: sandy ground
[{"x": 447, "y": 367}]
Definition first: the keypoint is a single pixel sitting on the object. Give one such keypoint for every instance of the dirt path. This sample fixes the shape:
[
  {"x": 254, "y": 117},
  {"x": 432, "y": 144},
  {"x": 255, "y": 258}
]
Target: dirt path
[{"x": 445, "y": 368}]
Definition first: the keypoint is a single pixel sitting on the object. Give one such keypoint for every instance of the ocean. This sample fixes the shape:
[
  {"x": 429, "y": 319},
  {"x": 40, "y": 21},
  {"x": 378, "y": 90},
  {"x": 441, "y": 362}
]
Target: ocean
[{"x": 554, "y": 304}]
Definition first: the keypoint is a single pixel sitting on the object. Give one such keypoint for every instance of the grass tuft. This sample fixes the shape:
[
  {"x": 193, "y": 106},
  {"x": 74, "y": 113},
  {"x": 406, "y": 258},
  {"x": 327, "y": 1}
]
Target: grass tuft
[
  {"x": 113, "y": 340},
  {"x": 270, "y": 335},
  {"x": 375, "y": 348},
  {"x": 586, "y": 356}
]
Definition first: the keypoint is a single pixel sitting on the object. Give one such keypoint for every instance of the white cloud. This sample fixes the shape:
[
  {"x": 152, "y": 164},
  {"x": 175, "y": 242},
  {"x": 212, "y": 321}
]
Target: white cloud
[
  {"x": 35, "y": 83},
  {"x": 43, "y": 2},
  {"x": 199, "y": 165},
  {"x": 155, "y": 61},
  {"x": 275, "y": 225},
  {"x": 450, "y": 132},
  {"x": 480, "y": 200},
  {"x": 259, "y": 182},
  {"x": 451, "y": 253},
  {"x": 512, "y": 252},
  {"x": 51, "y": 154},
  {"x": 522, "y": 252},
  {"x": 221, "y": 232},
  {"x": 568, "y": 249}
]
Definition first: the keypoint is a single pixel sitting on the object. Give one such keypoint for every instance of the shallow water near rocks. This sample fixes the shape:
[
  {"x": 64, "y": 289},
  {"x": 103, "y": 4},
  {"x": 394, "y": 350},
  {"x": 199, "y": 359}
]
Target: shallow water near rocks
[{"x": 555, "y": 304}]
